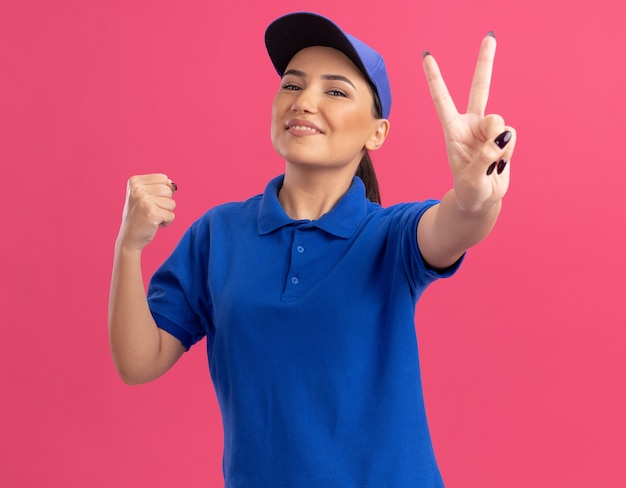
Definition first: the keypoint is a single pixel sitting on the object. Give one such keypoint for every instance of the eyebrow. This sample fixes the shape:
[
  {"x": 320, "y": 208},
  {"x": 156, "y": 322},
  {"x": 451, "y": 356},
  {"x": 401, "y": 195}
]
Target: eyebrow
[{"x": 297, "y": 72}]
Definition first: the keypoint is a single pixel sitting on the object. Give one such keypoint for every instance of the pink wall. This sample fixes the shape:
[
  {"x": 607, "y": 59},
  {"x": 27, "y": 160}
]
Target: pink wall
[{"x": 523, "y": 352}]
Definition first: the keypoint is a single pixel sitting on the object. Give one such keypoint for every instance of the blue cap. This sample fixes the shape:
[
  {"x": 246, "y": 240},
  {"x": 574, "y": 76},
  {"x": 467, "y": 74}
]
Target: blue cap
[{"x": 293, "y": 32}]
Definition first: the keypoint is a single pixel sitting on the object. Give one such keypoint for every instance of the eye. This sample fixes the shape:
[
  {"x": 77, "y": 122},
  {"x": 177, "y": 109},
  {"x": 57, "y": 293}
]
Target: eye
[
  {"x": 336, "y": 93},
  {"x": 290, "y": 87}
]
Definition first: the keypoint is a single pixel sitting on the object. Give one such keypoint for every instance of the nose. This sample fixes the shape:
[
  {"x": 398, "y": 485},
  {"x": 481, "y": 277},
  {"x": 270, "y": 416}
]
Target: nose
[{"x": 305, "y": 102}]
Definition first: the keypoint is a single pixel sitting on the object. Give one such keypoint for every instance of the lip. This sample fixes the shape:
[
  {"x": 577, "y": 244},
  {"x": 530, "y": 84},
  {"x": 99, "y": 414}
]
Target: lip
[{"x": 300, "y": 127}]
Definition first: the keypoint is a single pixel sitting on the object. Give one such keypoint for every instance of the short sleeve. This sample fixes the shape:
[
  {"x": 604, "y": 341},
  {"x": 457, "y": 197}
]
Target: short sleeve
[
  {"x": 177, "y": 293},
  {"x": 419, "y": 273}
]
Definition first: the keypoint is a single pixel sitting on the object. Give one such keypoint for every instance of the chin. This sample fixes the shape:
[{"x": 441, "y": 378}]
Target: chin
[{"x": 299, "y": 154}]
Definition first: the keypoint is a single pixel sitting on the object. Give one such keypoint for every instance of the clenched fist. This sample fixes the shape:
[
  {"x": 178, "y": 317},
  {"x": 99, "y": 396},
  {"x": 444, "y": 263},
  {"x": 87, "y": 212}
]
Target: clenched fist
[{"x": 149, "y": 205}]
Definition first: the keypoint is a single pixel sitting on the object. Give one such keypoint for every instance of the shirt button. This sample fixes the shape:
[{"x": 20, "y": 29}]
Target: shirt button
[
  {"x": 295, "y": 280},
  {"x": 300, "y": 249}
]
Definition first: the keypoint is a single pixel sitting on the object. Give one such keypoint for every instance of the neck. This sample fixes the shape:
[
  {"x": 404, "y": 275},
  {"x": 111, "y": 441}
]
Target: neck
[{"x": 311, "y": 194}]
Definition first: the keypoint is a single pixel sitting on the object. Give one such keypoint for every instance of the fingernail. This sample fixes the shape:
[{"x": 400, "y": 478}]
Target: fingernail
[
  {"x": 425, "y": 53},
  {"x": 174, "y": 186},
  {"x": 503, "y": 139},
  {"x": 492, "y": 166},
  {"x": 491, "y": 34},
  {"x": 502, "y": 164}
]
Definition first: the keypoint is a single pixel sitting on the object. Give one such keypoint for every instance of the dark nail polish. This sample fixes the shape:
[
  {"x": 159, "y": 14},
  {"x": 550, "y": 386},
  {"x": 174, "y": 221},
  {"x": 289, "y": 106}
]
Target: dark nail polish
[
  {"x": 491, "y": 34},
  {"x": 502, "y": 164},
  {"x": 503, "y": 139},
  {"x": 492, "y": 166},
  {"x": 174, "y": 186},
  {"x": 425, "y": 53}
]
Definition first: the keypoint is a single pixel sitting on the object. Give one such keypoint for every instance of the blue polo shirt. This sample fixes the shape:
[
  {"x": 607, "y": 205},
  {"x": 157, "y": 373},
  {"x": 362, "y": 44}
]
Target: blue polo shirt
[{"x": 310, "y": 339}]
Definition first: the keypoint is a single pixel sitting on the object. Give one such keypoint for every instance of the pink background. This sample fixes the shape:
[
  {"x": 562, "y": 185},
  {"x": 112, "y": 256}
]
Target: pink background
[{"x": 523, "y": 352}]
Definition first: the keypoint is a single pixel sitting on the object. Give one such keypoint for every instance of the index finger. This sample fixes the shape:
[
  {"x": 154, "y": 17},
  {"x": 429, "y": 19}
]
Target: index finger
[
  {"x": 479, "y": 93},
  {"x": 446, "y": 109}
]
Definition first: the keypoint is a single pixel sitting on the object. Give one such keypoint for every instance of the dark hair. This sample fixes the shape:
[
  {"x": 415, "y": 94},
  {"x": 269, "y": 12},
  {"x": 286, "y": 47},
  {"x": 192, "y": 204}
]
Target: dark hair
[{"x": 366, "y": 171}]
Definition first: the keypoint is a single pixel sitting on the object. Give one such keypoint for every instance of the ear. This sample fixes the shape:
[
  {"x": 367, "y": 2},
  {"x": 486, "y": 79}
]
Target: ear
[{"x": 377, "y": 139}]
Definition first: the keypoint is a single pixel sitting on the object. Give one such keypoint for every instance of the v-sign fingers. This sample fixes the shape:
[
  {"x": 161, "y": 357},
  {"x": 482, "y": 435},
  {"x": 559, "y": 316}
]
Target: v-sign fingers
[
  {"x": 446, "y": 110},
  {"x": 479, "y": 93}
]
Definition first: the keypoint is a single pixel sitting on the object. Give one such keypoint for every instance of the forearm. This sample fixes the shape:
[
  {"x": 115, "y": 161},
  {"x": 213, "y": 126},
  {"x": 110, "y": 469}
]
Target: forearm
[
  {"x": 447, "y": 230},
  {"x": 133, "y": 334}
]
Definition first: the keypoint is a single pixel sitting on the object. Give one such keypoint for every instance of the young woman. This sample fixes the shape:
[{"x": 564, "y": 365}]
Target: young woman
[{"x": 306, "y": 293}]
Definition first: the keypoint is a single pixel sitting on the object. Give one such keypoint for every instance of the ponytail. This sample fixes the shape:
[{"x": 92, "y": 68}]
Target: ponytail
[{"x": 366, "y": 172}]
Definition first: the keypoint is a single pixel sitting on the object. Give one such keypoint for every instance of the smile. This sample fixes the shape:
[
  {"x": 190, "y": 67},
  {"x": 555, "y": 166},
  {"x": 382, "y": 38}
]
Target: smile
[
  {"x": 304, "y": 128},
  {"x": 300, "y": 127}
]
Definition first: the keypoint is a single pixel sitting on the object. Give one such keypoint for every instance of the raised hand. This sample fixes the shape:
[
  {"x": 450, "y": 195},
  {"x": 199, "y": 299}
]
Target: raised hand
[
  {"x": 141, "y": 351},
  {"x": 479, "y": 146},
  {"x": 149, "y": 205}
]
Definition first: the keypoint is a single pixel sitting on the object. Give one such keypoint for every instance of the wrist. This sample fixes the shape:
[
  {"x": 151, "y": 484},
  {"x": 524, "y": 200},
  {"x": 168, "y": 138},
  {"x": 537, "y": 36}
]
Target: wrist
[
  {"x": 126, "y": 250},
  {"x": 476, "y": 210}
]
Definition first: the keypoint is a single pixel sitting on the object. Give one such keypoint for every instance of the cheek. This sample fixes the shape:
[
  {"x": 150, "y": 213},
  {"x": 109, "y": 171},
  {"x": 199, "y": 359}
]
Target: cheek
[
  {"x": 360, "y": 124},
  {"x": 275, "y": 123}
]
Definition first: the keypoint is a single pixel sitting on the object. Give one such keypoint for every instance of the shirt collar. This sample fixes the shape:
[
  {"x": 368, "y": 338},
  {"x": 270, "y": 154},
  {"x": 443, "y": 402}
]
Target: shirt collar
[{"x": 341, "y": 221}]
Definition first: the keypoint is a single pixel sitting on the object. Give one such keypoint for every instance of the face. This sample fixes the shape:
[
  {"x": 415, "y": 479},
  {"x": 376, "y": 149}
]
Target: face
[{"x": 323, "y": 113}]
